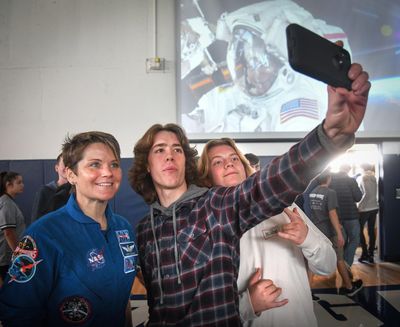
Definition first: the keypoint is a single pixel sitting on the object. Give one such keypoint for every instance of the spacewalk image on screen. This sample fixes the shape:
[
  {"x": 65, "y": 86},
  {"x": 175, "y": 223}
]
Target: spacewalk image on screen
[{"x": 234, "y": 75}]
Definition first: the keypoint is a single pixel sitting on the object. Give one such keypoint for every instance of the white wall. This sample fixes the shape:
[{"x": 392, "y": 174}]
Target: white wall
[
  {"x": 391, "y": 148},
  {"x": 69, "y": 66}
]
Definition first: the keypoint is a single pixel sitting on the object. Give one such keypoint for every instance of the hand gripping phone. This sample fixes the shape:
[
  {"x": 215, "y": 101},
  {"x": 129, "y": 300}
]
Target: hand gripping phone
[{"x": 314, "y": 56}]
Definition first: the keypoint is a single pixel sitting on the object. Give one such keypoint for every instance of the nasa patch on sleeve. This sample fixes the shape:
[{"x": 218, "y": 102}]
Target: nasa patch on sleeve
[
  {"x": 27, "y": 246},
  {"x": 22, "y": 269}
]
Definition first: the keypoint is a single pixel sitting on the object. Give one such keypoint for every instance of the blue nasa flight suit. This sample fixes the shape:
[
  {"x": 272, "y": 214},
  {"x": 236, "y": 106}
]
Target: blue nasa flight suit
[{"x": 66, "y": 271}]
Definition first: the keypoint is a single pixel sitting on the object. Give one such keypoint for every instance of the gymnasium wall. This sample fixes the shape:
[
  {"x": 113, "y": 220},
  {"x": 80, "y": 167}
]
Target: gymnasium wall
[{"x": 39, "y": 172}]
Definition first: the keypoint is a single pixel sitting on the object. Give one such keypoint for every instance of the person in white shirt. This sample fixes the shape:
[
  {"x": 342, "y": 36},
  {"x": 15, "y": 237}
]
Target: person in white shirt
[{"x": 272, "y": 273}]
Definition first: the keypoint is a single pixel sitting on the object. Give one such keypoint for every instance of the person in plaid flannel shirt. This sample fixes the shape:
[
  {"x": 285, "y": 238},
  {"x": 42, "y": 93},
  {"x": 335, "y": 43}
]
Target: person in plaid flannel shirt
[
  {"x": 189, "y": 242},
  {"x": 273, "y": 284}
]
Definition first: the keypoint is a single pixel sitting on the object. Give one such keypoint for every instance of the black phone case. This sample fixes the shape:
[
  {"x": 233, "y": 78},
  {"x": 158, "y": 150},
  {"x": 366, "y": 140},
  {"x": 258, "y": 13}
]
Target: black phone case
[{"x": 314, "y": 56}]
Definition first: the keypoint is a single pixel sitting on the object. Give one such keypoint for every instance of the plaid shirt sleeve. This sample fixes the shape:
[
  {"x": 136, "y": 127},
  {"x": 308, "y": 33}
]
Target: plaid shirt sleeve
[{"x": 276, "y": 186}]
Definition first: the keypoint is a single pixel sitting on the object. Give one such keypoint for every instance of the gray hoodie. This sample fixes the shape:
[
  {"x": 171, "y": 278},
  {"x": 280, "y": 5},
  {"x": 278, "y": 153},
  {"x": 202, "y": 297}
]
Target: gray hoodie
[{"x": 369, "y": 188}]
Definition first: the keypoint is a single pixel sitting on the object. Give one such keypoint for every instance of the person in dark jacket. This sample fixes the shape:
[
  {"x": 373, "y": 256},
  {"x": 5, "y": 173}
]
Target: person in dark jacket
[
  {"x": 60, "y": 197},
  {"x": 43, "y": 201},
  {"x": 368, "y": 208},
  {"x": 348, "y": 194}
]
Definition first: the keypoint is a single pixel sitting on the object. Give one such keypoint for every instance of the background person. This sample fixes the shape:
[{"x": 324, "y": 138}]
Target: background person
[
  {"x": 368, "y": 208},
  {"x": 44, "y": 196},
  {"x": 278, "y": 257},
  {"x": 60, "y": 197},
  {"x": 348, "y": 194},
  {"x": 323, "y": 204},
  {"x": 76, "y": 265},
  {"x": 12, "y": 222},
  {"x": 254, "y": 161}
]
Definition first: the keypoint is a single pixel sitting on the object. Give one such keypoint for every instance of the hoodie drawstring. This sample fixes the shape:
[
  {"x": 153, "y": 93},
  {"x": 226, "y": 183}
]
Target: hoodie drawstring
[
  {"x": 175, "y": 245},
  {"x": 158, "y": 251},
  {"x": 157, "y": 255}
]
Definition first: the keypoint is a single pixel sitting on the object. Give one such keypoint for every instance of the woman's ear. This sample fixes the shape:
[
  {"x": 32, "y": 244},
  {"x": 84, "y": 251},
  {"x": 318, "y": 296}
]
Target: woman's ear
[{"x": 71, "y": 176}]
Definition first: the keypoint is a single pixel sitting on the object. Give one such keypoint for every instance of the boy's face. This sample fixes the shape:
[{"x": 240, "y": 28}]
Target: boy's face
[
  {"x": 226, "y": 168},
  {"x": 60, "y": 169},
  {"x": 256, "y": 167},
  {"x": 166, "y": 162}
]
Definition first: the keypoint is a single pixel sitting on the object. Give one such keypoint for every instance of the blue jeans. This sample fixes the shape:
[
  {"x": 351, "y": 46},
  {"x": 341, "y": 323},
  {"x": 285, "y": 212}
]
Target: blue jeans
[{"x": 351, "y": 237}]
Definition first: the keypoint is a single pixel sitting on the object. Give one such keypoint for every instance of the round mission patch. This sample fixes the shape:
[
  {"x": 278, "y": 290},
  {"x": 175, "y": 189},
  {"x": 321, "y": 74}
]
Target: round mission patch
[
  {"x": 27, "y": 246},
  {"x": 75, "y": 309}
]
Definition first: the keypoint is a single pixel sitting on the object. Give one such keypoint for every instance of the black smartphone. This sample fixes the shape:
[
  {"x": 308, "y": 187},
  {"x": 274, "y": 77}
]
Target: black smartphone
[{"x": 314, "y": 56}]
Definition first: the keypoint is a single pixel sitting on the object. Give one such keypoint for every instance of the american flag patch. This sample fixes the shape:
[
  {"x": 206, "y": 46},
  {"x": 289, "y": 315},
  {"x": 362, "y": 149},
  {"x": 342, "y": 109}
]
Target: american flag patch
[
  {"x": 335, "y": 36},
  {"x": 299, "y": 108}
]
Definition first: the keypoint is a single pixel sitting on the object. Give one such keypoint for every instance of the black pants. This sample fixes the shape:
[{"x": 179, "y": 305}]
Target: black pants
[{"x": 370, "y": 218}]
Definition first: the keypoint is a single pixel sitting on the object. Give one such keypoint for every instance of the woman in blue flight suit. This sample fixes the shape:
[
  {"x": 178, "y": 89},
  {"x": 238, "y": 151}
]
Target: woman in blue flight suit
[{"x": 76, "y": 265}]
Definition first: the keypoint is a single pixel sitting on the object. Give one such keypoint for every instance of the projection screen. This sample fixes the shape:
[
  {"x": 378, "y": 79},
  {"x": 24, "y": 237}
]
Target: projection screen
[{"x": 234, "y": 78}]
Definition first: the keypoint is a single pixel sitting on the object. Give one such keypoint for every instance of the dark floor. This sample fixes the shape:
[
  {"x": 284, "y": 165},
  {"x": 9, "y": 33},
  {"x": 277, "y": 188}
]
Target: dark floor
[
  {"x": 376, "y": 304},
  {"x": 372, "y": 306}
]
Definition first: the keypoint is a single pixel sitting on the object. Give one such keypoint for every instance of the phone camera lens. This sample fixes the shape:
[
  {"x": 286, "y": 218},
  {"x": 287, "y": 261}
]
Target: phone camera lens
[{"x": 338, "y": 61}]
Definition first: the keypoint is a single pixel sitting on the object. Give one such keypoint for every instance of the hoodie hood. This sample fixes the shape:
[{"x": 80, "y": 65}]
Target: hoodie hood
[{"x": 192, "y": 192}]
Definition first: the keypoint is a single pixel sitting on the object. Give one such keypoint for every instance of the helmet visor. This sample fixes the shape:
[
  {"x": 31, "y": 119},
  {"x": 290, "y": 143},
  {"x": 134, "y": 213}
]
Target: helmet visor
[{"x": 252, "y": 67}]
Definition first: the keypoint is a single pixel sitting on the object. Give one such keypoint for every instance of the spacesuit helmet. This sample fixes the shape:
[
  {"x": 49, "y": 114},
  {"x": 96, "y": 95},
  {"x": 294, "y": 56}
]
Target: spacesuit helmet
[
  {"x": 254, "y": 66},
  {"x": 256, "y": 38}
]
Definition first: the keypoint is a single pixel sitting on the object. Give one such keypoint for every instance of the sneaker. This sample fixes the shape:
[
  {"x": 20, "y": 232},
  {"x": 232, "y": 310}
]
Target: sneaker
[
  {"x": 357, "y": 286},
  {"x": 363, "y": 259}
]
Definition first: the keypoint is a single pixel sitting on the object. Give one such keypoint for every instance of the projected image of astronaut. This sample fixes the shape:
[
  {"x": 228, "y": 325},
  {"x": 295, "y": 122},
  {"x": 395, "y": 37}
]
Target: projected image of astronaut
[{"x": 265, "y": 93}]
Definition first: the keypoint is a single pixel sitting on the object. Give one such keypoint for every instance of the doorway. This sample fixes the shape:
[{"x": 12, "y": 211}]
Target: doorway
[{"x": 356, "y": 156}]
